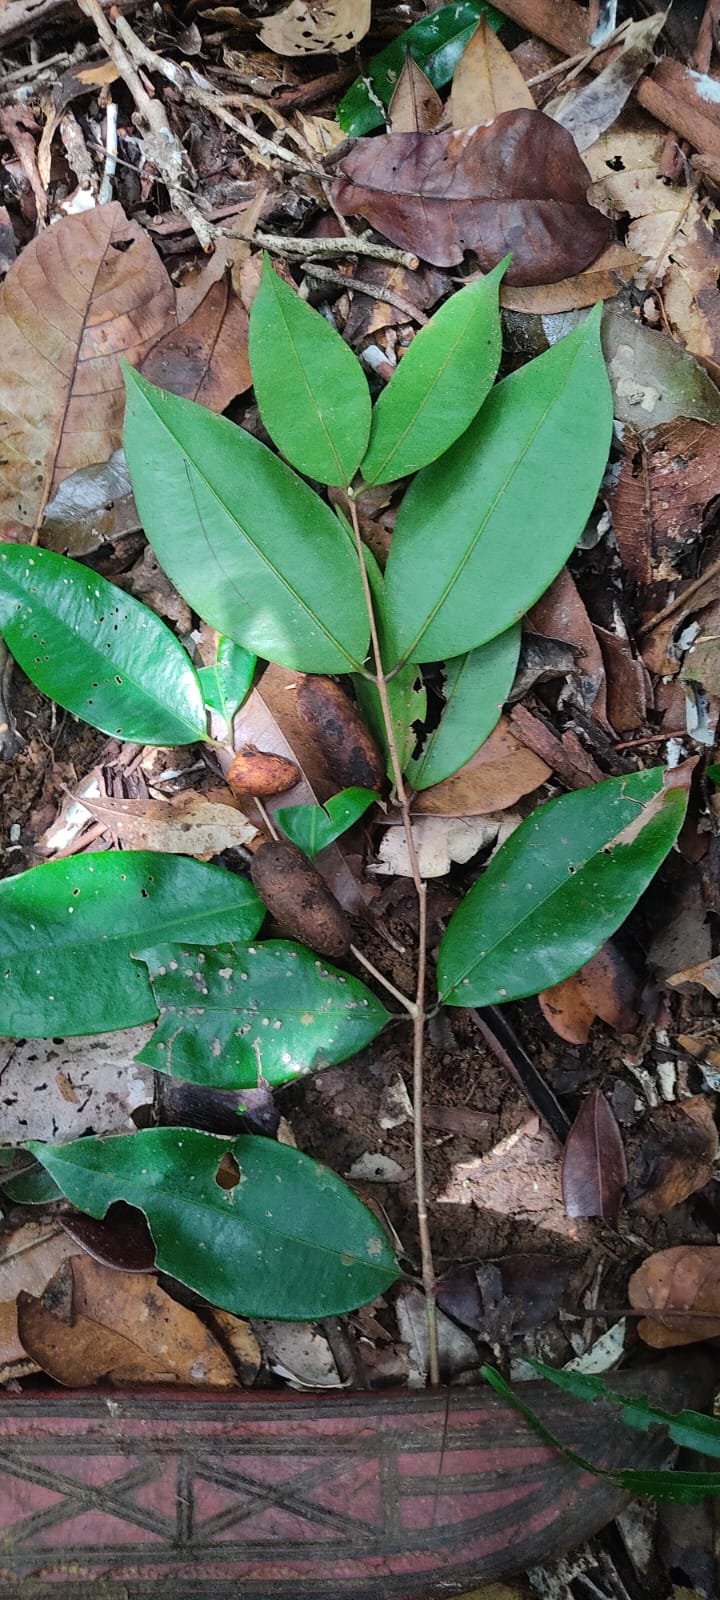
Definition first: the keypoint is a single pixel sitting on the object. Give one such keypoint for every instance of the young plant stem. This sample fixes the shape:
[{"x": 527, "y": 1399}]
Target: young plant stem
[
  {"x": 407, "y": 1005},
  {"x": 418, "y": 1018}
]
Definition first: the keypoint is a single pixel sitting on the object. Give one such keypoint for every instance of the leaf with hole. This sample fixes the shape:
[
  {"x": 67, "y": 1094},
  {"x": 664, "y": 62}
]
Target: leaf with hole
[
  {"x": 311, "y": 390},
  {"x": 312, "y": 828},
  {"x": 559, "y": 887},
  {"x": 233, "y": 1015},
  {"x": 260, "y": 1247},
  {"x": 484, "y": 530},
  {"x": 476, "y": 687},
  {"x": 97, "y": 651},
  {"x": 436, "y": 42},
  {"x": 249, "y": 545},
  {"x": 67, "y": 930},
  {"x": 440, "y": 384},
  {"x": 226, "y": 684}
]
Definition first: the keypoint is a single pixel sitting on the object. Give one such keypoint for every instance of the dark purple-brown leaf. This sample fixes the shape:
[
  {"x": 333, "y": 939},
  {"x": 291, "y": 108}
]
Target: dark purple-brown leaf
[
  {"x": 594, "y": 1169},
  {"x": 122, "y": 1239},
  {"x": 517, "y": 184}
]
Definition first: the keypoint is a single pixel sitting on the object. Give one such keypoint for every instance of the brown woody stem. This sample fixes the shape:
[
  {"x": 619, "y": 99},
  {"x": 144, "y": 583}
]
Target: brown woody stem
[{"x": 418, "y": 1014}]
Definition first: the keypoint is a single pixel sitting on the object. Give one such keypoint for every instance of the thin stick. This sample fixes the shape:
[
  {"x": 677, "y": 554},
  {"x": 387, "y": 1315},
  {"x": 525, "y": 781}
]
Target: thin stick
[
  {"x": 328, "y": 275},
  {"x": 267, "y": 819},
  {"x": 347, "y": 245},
  {"x": 428, "y": 1270},
  {"x": 408, "y": 1005},
  {"x": 680, "y": 600}
]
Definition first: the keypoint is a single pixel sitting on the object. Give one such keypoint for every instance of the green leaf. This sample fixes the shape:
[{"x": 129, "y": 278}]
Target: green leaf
[
  {"x": 289, "y": 1240},
  {"x": 310, "y": 388},
  {"x": 476, "y": 687},
  {"x": 713, "y": 772},
  {"x": 225, "y": 685},
  {"x": 239, "y": 1013},
  {"x": 558, "y": 888},
  {"x": 407, "y": 697},
  {"x": 97, "y": 651},
  {"x": 249, "y": 545},
  {"x": 67, "y": 930},
  {"x": 688, "y": 1429},
  {"x": 313, "y": 828},
  {"x": 683, "y": 1488},
  {"x": 436, "y": 42},
  {"x": 439, "y": 385},
  {"x": 33, "y": 1187},
  {"x": 484, "y": 530}
]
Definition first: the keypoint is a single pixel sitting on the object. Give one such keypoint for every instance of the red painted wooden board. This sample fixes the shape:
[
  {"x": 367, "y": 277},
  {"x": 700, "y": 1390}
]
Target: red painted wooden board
[{"x": 209, "y": 1497}]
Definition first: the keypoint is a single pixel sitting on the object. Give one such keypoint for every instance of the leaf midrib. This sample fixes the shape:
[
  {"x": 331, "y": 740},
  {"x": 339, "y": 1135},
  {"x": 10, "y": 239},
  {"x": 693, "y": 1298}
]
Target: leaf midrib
[
  {"x": 345, "y": 478},
  {"x": 411, "y": 649}
]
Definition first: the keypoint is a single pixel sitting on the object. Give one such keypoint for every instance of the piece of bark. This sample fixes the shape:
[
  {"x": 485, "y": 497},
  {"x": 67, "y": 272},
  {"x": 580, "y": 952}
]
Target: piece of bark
[{"x": 566, "y": 757}]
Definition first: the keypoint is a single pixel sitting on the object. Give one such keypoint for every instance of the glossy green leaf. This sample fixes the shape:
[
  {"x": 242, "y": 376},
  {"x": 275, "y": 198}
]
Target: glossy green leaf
[
  {"x": 249, "y": 545},
  {"x": 32, "y": 1187},
  {"x": 476, "y": 688},
  {"x": 440, "y": 384},
  {"x": 226, "y": 684},
  {"x": 96, "y": 650},
  {"x": 232, "y": 1015},
  {"x": 310, "y": 388},
  {"x": 67, "y": 930},
  {"x": 436, "y": 42},
  {"x": 558, "y": 888},
  {"x": 289, "y": 1240},
  {"x": 313, "y": 828},
  {"x": 407, "y": 697},
  {"x": 484, "y": 530}
]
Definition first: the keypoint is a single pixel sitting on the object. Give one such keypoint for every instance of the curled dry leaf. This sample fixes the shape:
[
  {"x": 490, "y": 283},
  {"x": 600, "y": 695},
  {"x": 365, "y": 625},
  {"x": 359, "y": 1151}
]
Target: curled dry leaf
[
  {"x": 675, "y": 1156},
  {"x": 613, "y": 270},
  {"x": 605, "y": 987},
  {"x": 206, "y": 358},
  {"x": 486, "y": 82},
  {"x": 313, "y": 27},
  {"x": 188, "y": 825},
  {"x": 299, "y": 899},
  {"x": 123, "y": 1326},
  {"x": 587, "y": 112},
  {"x": 594, "y": 1170},
  {"x": 259, "y": 772},
  {"x": 337, "y": 728},
  {"x": 517, "y": 185},
  {"x": 496, "y": 777},
  {"x": 88, "y": 290},
  {"x": 679, "y": 1291}
]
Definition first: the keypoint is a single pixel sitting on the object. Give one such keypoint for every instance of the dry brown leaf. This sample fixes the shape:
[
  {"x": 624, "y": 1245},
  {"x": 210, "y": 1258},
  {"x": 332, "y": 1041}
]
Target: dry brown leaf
[
  {"x": 486, "y": 81},
  {"x": 441, "y": 840},
  {"x": 678, "y": 1147},
  {"x": 605, "y": 987},
  {"x": 593, "y": 1169},
  {"x": 707, "y": 974},
  {"x": 517, "y": 184},
  {"x": 206, "y": 358},
  {"x": 187, "y": 825},
  {"x": 313, "y": 27},
  {"x": 122, "y": 1325},
  {"x": 86, "y": 291},
  {"x": 496, "y": 777},
  {"x": 30, "y": 1256},
  {"x": 680, "y": 1291},
  {"x": 612, "y": 271},
  {"x": 629, "y": 690},
  {"x": 565, "y": 756},
  {"x": 587, "y": 111},
  {"x": 415, "y": 106},
  {"x": 239, "y": 1340},
  {"x": 561, "y": 614}
]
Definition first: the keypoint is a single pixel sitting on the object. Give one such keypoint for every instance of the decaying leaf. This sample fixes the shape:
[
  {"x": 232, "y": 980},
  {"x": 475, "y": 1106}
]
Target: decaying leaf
[
  {"x": 676, "y": 1152},
  {"x": 496, "y": 777},
  {"x": 29, "y": 1258},
  {"x": 312, "y": 27},
  {"x": 499, "y": 1299},
  {"x": 121, "y": 1239},
  {"x": 659, "y": 498},
  {"x": 594, "y": 1169},
  {"x": 206, "y": 358},
  {"x": 605, "y": 987},
  {"x": 84, "y": 292},
  {"x": 679, "y": 1290},
  {"x": 187, "y": 825},
  {"x": 706, "y": 973},
  {"x": 61, "y": 1088},
  {"x": 587, "y": 112},
  {"x": 490, "y": 1182},
  {"x": 653, "y": 379},
  {"x": 415, "y": 106},
  {"x": 441, "y": 840},
  {"x": 486, "y": 82},
  {"x": 123, "y": 1326},
  {"x": 516, "y": 185},
  {"x": 561, "y": 614},
  {"x": 612, "y": 270}
]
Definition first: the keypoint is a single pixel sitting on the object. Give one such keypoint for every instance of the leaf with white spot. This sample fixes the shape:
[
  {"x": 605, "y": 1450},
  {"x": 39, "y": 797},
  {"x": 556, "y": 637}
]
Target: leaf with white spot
[{"x": 232, "y": 1015}]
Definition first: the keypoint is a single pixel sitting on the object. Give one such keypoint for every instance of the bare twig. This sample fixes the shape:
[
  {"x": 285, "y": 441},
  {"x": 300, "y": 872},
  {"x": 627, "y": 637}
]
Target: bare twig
[
  {"x": 407, "y": 1005},
  {"x": 680, "y": 600},
  {"x": 111, "y": 151},
  {"x": 418, "y": 1016},
  {"x": 385, "y": 296},
  {"x": 350, "y": 246}
]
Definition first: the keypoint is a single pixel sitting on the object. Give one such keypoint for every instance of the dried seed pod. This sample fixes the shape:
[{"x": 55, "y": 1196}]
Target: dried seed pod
[
  {"x": 299, "y": 899},
  {"x": 259, "y": 772},
  {"x": 340, "y": 733}
]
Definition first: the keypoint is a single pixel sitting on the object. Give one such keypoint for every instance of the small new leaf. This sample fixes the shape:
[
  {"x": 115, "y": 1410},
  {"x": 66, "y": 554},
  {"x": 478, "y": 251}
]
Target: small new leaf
[
  {"x": 312, "y": 828},
  {"x": 226, "y": 685},
  {"x": 232, "y": 1015},
  {"x": 311, "y": 390},
  {"x": 97, "y": 651},
  {"x": 262, "y": 1247}
]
